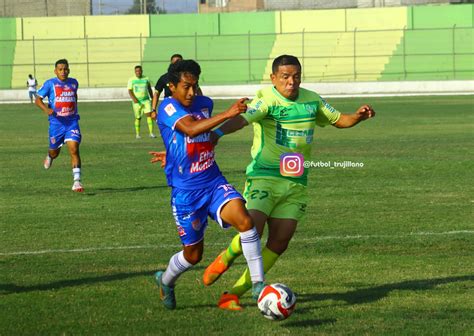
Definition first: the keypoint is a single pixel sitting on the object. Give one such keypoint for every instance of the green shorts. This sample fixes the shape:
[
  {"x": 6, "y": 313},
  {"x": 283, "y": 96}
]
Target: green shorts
[
  {"x": 276, "y": 197},
  {"x": 141, "y": 107}
]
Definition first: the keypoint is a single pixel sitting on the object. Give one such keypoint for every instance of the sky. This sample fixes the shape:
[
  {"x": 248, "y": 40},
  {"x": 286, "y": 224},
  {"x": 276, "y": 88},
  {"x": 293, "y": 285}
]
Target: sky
[{"x": 121, "y": 6}]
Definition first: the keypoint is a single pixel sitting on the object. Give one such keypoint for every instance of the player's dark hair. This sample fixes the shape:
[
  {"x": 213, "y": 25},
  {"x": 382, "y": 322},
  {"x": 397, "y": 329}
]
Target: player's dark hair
[
  {"x": 138, "y": 67},
  {"x": 284, "y": 60},
  {"x": 176, "y": 70},
  {"x": 61, "y": 61},
  {"x": 176, "y": 55},
  {"x": 31, "y": 76}
]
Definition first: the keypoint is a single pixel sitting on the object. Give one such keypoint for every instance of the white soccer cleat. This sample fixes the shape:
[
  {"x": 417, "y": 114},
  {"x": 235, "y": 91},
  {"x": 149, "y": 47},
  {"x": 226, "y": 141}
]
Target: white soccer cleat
[
  {"x": 138, "y": 136},
  {"x": 152, "y": 135},
  {"x": 77, "y": 186},
  {"x": 48, "y": 161}
]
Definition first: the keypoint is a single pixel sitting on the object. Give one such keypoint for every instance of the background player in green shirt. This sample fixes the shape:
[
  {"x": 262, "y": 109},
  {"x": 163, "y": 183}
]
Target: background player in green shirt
[
  {"x": 139, "y": 89},
  {"x": 284, "y": 117}
]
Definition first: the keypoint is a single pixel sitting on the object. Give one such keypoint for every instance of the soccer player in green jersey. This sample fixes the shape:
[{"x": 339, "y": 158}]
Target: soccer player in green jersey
[
  {"x": 284, "y": 117},
  {"x": 139, "y": 89}
]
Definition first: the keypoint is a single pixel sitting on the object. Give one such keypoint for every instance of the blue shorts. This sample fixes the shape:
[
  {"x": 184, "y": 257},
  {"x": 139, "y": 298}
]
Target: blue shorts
[
  {"x": 63, "y": 130},
  {"x": 192, "y": 207}
]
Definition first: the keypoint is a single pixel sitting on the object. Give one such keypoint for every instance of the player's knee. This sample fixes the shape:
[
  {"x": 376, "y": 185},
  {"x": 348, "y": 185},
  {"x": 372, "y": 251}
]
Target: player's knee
[
  {"x": 53, "y": 154},
  {"x": 278, "y": 245},
  {"x": 193, "y": 257},
  {"x": 245, "y": 223},
  {"x": 74, "y": 151}
]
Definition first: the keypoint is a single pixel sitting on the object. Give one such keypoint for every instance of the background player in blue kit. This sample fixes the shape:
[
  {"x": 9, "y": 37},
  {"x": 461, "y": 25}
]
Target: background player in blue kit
[
  {"x": 63, "y": 118},
  {"x": 199, "y": 189}
]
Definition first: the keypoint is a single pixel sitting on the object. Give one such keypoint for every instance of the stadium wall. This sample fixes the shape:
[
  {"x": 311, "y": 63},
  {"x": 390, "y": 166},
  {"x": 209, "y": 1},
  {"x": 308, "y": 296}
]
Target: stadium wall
[
  {"x": 430, "y": 50},
  {"x": 227, "y": 50},
  {"x": 7, "y": 51},
  {"x": 410, "y": 88},
  {"x": 397, "y": 43}
]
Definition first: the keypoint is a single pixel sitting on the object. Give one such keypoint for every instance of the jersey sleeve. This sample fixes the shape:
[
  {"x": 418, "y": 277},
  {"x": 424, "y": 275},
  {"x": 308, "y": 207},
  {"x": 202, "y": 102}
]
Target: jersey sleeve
[
  {"x": 45, "y": 89},
  {"x": 209, "y": 105},
  {"x": 130, "y": 84},
  {"x": 327, "y": 115},
  {"x": 169, "y": 114},
  {"x": 256, "y": 110}
]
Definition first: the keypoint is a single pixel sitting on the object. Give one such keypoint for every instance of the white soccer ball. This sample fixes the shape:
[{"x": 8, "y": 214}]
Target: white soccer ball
[{"x": 276, "y": 302}]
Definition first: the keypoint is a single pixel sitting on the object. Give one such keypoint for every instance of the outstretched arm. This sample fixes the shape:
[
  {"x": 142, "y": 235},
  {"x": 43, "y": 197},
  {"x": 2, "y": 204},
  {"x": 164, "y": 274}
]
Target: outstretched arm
[
  {"x": 348, "y": 120},
  {"x": 191, "y": 127},
  {"x": 232, "y": 125}
]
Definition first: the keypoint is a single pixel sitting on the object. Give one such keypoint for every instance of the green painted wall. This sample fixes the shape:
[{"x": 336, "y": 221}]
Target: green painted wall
[
  {"x": 442, "y": 16},
  {"x": 55, "y": 27},
  {"x": 228, "y": 54},
  {"x": 7, "y": 51},
  {"x": 425, "y": 53},
  {"x": 184, "y": 24},
  {"x": 219, "y": 42},
  {"x": 242, "y": 23}
]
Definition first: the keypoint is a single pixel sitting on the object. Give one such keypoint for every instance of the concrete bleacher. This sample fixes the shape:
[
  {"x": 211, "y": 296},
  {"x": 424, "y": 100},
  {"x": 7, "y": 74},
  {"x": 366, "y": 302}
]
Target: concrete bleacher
[
  {"x": 110, "y": 48},
  {"x": 428, "y": 54},
  {"x": 398, "y": 43},
  {"x": 341, "y": 45}
]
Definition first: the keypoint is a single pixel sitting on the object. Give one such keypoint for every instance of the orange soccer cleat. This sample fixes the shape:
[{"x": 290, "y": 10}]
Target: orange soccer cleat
[
  {"x": 215, "y": 270},
  {"x": 229, "y": 302}
]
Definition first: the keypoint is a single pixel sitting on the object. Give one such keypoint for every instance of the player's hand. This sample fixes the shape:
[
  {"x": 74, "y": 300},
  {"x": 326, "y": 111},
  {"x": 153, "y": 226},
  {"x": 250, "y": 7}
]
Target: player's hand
[
  {"x": 365, "y": 112},
  {"x": 238, "y": 107},
  {"x": 50, "y": 112},
  {"x": 158, "y": 157},
  {"x": 153, "y": 115}
]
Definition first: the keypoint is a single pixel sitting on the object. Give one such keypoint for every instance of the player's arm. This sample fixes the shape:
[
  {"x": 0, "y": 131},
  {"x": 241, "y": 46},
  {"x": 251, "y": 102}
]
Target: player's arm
[
  {"x": 231, "y": 126},
  {"x": 39, "y": 102},
  {"x": 132, "y": 95},
  {"x": 156, "y": 97},
  {"x": 159, "y": 87},
  {"x": 348, "y": 120},
  {"x": 150, "y": 91},
  {"x": 257, "y": 110},
  {"x": 191, "y": 127}
]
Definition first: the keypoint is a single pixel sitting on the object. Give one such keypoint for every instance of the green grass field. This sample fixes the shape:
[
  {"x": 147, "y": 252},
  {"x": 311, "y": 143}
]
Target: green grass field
[{"x": 387, "y": 249}]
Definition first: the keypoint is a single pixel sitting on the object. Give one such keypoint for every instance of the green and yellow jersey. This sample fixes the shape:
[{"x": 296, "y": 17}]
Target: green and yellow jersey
[
  {"x": 284, "y": 126},
  {"x": 139, "y": 87}
]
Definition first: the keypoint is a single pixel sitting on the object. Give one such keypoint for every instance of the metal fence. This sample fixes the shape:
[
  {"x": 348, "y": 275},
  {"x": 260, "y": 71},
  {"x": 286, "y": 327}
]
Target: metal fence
[{"x": 428, "y": 54}]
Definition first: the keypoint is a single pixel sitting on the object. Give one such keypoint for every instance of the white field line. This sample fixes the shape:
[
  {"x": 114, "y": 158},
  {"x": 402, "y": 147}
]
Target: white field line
[{"x": 304, "y": 240}]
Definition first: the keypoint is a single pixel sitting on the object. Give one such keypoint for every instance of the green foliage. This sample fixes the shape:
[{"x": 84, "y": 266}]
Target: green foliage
[
  {"x": 151, "y": 7},
  {"x": 386, "y": 249}
]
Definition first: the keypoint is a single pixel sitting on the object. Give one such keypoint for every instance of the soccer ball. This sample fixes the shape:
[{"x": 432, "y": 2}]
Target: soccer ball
[{"x": 276, "y": 302}]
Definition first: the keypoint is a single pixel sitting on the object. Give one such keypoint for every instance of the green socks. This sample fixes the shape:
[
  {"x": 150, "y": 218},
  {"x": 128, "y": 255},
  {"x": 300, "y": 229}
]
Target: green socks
[
  {"x": 233, "y": 251},
  {"x": 150, "y": 124},
  {"x": 137, "y": 126},
  {"x": 244, "y": 283}
]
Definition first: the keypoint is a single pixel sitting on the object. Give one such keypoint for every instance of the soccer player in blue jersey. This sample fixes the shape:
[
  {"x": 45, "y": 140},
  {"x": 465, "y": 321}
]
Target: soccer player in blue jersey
[
  {"x": 198, "y": 187},
  {"x": 63, "y": 118}
]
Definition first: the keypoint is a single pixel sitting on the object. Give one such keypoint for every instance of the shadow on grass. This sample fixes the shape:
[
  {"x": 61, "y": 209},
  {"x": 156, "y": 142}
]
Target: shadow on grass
[
  {"x": 307, "y": 323},
  {"x": 11, "y": 288},
  {"x": 372, "y": 294},
  {"x": 119, "y": 190}
]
